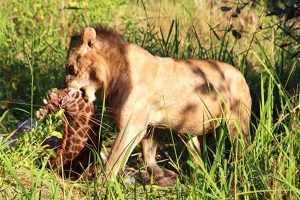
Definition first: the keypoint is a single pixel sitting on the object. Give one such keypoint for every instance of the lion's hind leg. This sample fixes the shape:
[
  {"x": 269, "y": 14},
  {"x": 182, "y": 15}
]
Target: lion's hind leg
[
  {"x": 160, "y": 176},
  {"x": 238, "y": 125}
]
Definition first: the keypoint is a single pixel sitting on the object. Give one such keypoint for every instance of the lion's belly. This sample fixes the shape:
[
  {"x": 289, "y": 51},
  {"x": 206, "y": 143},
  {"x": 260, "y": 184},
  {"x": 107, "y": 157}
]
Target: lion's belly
[
  {"x": 189, "y": 105},
  {"x": 188, "y": 96},
  {"x": 193, "y": 116}
]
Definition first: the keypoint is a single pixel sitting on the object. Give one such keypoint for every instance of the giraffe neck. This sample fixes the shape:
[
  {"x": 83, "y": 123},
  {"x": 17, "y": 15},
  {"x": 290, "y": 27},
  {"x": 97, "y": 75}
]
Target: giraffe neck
[{"x": 78, "y": 125}]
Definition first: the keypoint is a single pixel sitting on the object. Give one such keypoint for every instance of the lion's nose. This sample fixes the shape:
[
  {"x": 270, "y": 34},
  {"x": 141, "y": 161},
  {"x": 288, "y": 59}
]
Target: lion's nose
[{"x": 70, "y": 70}]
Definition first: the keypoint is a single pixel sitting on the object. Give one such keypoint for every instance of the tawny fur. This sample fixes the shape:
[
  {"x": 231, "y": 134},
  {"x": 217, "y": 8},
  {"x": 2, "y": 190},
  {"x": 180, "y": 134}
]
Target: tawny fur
[{"x": 189, "y": 96}]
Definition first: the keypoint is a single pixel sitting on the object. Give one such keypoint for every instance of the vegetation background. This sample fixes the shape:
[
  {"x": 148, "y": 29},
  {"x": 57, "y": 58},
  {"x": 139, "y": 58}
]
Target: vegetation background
[{"x": 259, "y": 37}]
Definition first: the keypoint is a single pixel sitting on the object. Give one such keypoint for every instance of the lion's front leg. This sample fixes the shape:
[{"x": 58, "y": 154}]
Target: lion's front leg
[{"x": 127, "y": 139}]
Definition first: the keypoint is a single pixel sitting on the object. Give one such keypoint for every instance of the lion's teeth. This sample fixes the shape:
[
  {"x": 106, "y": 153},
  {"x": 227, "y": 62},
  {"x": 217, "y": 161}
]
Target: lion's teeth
[{"x": 45, "y": 101}]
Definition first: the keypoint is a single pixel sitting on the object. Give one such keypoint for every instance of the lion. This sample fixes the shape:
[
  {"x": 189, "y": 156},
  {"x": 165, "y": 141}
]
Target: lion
[{"x": 142, "y": 90}]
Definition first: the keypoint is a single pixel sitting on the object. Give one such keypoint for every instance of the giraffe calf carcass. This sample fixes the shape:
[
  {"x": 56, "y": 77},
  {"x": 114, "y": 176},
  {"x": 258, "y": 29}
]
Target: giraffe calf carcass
[
  {"x": 80, "y": 135},
  {"x": 81, "y": 131}
]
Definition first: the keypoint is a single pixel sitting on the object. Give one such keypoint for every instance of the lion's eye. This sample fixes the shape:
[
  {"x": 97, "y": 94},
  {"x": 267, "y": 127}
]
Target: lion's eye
[{"x": 70, "y": 70}]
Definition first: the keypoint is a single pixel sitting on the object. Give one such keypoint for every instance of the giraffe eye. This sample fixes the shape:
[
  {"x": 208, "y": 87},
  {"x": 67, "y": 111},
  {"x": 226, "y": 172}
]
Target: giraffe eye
[{"x": 70, "y": 70}]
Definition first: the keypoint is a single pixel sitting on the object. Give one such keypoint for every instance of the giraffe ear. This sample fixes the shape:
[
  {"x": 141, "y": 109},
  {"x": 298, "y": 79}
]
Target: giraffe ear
[{"x": 89, "y": 36}]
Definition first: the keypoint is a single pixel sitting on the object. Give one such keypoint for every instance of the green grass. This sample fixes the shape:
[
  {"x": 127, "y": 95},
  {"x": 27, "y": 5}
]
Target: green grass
[{"x": 33, "y": 46}]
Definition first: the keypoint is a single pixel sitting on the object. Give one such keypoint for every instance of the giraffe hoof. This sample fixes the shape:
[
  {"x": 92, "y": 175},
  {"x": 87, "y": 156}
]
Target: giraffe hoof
[
  {"x": 40, "y": 114},
  {"x": 45, "y": 101}
]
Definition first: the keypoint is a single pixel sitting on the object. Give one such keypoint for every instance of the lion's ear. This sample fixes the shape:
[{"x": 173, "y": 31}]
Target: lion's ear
[{"x": 89, "y": 36}]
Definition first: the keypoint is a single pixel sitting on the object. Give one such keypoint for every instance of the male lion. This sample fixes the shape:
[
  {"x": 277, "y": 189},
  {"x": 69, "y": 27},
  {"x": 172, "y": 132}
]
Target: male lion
[{"x": 188, "y": 96}]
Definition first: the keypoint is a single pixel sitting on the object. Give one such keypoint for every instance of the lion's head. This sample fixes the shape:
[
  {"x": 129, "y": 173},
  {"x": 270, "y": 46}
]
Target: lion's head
[
  {"x": 97, "y": 61},
  {"x": 85, "y": 67}
]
